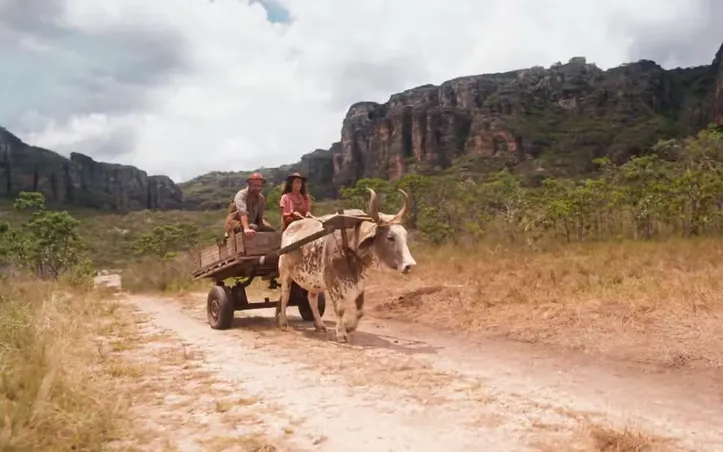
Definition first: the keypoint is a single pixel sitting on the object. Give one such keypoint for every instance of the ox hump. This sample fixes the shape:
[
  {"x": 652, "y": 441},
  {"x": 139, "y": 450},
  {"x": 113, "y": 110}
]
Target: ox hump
[{"x": 300, "y": 229}]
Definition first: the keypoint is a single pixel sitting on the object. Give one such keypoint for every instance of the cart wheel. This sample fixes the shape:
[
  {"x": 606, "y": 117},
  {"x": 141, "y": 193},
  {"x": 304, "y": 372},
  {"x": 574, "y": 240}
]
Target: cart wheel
[
  {"x": 302, "y": 302},
  {"x": 219, "y": 309}
]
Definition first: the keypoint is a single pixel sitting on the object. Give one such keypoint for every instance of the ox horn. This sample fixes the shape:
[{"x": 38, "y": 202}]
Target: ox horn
[
  {"x": 405, "y": 208},
  {"x": 374, "y": 206}
]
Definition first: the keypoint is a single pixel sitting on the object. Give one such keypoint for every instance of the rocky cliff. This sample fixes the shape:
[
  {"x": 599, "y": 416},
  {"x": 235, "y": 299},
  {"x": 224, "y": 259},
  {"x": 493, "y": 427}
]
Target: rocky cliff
[
  {"x": 718, "y": 100},
  {"x": 81, "y": 180},
  {"x": 556, "y": 120},
  {"x": 540, "y": 121}
]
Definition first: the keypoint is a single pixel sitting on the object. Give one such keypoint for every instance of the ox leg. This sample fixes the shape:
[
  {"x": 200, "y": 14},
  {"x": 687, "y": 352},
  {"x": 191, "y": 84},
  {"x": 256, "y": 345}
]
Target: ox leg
[
  {"x": 283, "y": 322},
  {"x": 314, "y": 304},
  {"x": 341, "y": 335},
  {"x": 359, "y": 303}
]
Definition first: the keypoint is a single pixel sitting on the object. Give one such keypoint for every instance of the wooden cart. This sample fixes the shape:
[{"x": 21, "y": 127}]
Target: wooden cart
[{"x": 238, "y": 257}]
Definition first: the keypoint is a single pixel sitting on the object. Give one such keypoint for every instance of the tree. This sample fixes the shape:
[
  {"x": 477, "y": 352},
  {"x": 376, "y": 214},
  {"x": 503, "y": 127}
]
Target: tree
[
  {"x": 48, "y": 242},
  {"x": 557, "y": 207},
  {"x": 416, "y": 186},
  {"x": 698, "y": 179},
  {"x": 165, "y": 241},
  {"x": 438, "y": 219},
  {"x": 646, "y": 191},
  {"x": 357, "y": 197},
  {"x": 508, "y": 199},
  {"x": 274, "y": 196}
]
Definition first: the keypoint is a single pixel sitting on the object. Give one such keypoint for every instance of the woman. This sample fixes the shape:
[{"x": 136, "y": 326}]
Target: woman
[{"x": 295, "y": 202}]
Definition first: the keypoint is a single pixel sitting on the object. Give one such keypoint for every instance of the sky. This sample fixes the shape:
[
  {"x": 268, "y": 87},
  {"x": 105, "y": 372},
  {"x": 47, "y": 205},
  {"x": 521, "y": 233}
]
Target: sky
[{"x": 184, "y": 87}]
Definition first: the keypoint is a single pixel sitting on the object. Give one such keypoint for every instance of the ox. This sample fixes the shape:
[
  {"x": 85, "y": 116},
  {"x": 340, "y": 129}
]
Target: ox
[{"x": 324, "y": 266}]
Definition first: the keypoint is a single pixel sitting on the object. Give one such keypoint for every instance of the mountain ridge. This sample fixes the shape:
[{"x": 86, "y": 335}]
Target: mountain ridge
[
  {"x": 540, "y": 122},
  {"x": 80, "y": 180},
  {"x": 548, "y": 121}
]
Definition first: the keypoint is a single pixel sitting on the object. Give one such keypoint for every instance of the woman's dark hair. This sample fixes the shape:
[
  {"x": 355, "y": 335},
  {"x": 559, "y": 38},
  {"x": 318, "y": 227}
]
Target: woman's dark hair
[{"x": 287, "y": 186}]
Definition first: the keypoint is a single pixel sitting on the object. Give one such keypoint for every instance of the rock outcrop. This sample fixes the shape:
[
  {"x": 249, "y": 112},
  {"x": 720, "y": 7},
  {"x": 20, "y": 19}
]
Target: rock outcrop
[
  {"x": 543, "y": 121},
  {"x": 560, "y": 118},
  {"x": 81, "y": 180},
  {"x": 718, "y": 99}
]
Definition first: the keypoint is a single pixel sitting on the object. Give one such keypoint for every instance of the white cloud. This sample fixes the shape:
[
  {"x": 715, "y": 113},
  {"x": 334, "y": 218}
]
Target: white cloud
[{"x": 226, "y": 89}]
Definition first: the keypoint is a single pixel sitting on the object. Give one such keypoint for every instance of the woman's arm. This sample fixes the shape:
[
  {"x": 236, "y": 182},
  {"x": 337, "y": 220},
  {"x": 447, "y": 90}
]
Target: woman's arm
[
  {"x": 287, "y": 207},
  {"x": 307, "y": 200}
]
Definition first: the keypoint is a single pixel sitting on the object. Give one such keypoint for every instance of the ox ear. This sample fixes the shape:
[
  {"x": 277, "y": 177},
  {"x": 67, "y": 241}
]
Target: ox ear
[{"x": 367, "y": 233}]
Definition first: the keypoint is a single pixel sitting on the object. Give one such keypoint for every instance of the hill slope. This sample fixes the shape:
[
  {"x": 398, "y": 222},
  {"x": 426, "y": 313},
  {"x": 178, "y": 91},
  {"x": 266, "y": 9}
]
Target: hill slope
[
  {"x": 550, "y": 121},
  {"x": 80, "y": 180}
]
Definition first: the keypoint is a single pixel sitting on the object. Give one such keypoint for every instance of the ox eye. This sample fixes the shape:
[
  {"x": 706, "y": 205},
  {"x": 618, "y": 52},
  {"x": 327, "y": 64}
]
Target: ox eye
[{"x": 390, "y": 238}]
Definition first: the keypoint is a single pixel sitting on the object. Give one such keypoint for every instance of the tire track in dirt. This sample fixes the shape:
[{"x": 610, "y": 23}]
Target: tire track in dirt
[
  {"x": 404, "y": 387},
  {"x": 680, "y": 404},
  {"x": 357, "y": 413}
]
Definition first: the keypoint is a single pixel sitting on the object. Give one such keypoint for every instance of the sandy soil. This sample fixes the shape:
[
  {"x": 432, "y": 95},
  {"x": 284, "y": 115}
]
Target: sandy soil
[{"x": 404, "y": 387}]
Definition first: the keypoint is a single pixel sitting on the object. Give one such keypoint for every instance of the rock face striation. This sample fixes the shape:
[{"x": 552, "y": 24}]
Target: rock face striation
[
  {"x": 718, "y": 100},
  {"x": 81, "y": 180},
  {"x": 551, "y": 121}
]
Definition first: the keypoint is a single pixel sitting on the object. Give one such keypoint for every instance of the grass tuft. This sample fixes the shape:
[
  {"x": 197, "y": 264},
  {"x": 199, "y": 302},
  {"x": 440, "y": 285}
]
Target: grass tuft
[{"x": 52, "y": 397}]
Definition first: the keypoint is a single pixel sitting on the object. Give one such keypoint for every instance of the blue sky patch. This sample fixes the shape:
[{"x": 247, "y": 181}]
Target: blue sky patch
[{"x": 275, "y": 13}]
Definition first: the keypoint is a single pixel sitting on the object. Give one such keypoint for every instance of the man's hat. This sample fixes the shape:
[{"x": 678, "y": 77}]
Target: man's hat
[
  {"x": 256, "y": 176},
  {"x": 293, "y": 176}
]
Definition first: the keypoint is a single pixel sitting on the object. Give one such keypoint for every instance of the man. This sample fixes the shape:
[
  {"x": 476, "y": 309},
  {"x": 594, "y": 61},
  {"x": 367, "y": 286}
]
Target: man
[{"x": 246, "y": 211}]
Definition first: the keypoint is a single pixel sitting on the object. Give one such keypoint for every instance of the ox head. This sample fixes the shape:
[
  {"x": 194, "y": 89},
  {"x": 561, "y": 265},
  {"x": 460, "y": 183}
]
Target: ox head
[{"x": 387, "y": 236}]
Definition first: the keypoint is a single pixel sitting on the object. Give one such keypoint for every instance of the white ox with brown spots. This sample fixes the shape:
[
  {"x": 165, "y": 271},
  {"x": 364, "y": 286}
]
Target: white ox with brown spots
[{"x": 323, "y": 266}]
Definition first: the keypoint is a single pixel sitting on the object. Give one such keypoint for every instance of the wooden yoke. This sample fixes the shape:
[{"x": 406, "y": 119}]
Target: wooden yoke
[{"x": 344, "y": 237}]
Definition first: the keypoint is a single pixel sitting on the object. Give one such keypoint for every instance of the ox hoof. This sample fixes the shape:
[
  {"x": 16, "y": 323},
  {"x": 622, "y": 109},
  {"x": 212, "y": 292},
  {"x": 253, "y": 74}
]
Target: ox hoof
[
  {"x": 321, "y": 328},
  {"x": 341, "y": 336},
  {"x": 284, "y": 326}
]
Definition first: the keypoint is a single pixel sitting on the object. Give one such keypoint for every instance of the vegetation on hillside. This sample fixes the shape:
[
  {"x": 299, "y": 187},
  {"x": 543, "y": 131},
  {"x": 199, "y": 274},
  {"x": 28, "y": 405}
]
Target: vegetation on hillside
[{"x": 676, "y": 190}]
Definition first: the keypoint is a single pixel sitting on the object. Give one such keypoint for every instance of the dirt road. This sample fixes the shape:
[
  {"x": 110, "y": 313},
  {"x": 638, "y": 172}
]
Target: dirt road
[{"x": 400, "y": 387}]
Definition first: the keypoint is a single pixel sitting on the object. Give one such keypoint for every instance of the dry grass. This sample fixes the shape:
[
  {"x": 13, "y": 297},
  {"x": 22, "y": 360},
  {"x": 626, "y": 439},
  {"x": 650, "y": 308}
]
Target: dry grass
[
  {"x": 651, "y": 302},
  {"x": 609, "y": 440},
  {"x": 596, "y": 438},
  {"x": 54, "y": 395},
  {"x": 161, "y": 275},
  {"x": 593, "y": 437}
]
